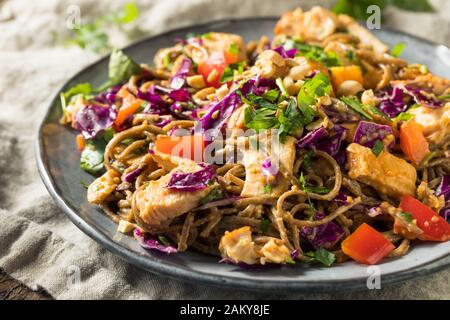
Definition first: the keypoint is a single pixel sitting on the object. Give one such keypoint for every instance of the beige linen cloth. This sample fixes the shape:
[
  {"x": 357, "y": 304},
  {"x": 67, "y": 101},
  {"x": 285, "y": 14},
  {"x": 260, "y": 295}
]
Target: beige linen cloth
[{"x": 38, "y": 244}]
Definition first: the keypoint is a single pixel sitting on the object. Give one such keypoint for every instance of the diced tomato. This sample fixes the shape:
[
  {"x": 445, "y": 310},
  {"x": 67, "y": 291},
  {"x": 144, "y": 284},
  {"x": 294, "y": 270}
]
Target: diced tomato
[
  {"x": 130, "y": 104},
  {"x": 434, "y": 227},
  {"x": 213, "y": 68},
  {"x": 366, "y": 245},
  {"x": 191, "y": 147},
  {"x": 80, "y": 142},
  {"x": 413, "y": 142}
]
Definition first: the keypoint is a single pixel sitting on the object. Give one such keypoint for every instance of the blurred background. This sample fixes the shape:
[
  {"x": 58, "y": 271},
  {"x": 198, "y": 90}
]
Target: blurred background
[{"x": 42, "y": 44}]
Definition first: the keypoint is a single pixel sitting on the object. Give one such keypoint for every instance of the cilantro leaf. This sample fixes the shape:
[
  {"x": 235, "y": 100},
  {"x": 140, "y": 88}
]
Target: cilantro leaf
[
  {"x": 312, "y": 89},
  {"x": 356, "y": 106},
  {"x": 377, "y": 147},
  {"x": 406, "y": 216},
  {"x": 397, "y": 49},
  {"x": 271, "y": 95},
  {"x": 323, "y": 256},
  {"x": 290, "y": 120},
  {"x": 262, "y": 118},
  {"x": 268, "y": 188},
  {"x": 265, "y": 223},
  {"x": 403, "y": 116},
  {"x": 214, "y": 194},
  {"x": 163, "y": 240},
  {"x": 234, "y": 49},
  {"x": 91, "y": 159},
  {"x": 127, "y": 14},
  {"x": 121, "y": 67}
]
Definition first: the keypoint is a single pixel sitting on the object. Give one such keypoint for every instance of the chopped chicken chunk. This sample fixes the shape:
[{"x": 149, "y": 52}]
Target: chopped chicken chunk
[
  {"x": 386, "y": 173},
  {"x": 281, "y": 155},
  {"x": 270, "y": 65},
  {"x": 366, "y": 38},
  {"x": 159, "y": 205},
  {"x": 102, "y": 187},
  {"x": 313, "y": 25},
  {"x": 214, "y": 42},
  {"x": 435, "y": 122},
  {"x": 275, "y": 251},
  {"x": 238, "y": 246}
]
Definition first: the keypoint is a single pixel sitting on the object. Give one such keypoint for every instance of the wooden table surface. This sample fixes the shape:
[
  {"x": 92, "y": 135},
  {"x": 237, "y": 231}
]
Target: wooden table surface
[{"x": 11, "y": 289}]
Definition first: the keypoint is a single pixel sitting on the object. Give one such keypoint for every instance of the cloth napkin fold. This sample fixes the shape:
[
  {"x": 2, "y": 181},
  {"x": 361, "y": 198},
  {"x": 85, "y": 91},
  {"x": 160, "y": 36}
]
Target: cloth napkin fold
[{"x": 38, "y": 244}]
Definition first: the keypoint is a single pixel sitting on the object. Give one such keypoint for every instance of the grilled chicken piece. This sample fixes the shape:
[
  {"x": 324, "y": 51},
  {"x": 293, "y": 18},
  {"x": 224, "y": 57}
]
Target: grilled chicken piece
[
  {"x": 159, "y": 205},
  {"x": 386, "y": 173},
  {"x": 435, "y": 122},
  {"x": 238, "y": 246},
  {"x": 313, "y": 25},
  {"x": 367, "y": 39},
  {"x": 270, "y": 65},
  {"x": 102, "y": 187},
  {"x": 215, "y": 42},
  {"x": 255, "y": 180},
  {"x": 274, "y": 251}
]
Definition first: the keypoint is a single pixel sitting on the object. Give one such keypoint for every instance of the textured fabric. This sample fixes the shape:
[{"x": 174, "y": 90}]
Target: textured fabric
[{"x": 38, "y": 244}]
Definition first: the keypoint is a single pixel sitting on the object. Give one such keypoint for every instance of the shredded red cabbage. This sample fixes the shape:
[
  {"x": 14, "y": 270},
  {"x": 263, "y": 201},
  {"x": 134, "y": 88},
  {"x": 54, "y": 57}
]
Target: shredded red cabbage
[
  {"x": 131, "y": 176},
  {"x": 193, "y": 181},
  {"x": 332, "y": 144},
  {"x": 94, "y": 119},
  {"x": 222, "y": 110},
  {"x": 312, "y": 137},
  {"x": 285, "y": 53},
  {"x": 180, "y": 95},
  {"x": 326, "y": 235},
  {"x": 152, "y": 244},
  {"x": 444, "y": 187},
  {"x": 320, "y": 139},
  {"x": 367, "y": 134},
  {"x": 179, "y": 78},
  {"x": 399, "y": 98}
]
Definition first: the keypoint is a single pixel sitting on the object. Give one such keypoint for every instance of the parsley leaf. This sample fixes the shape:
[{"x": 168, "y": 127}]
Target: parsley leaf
[
  {"x": 323, "y": 256},
  {"x": 377, "y": 147}
]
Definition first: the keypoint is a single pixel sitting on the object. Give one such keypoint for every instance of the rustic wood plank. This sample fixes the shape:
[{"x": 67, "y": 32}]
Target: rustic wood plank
[{"x": 11, "y": 289}]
